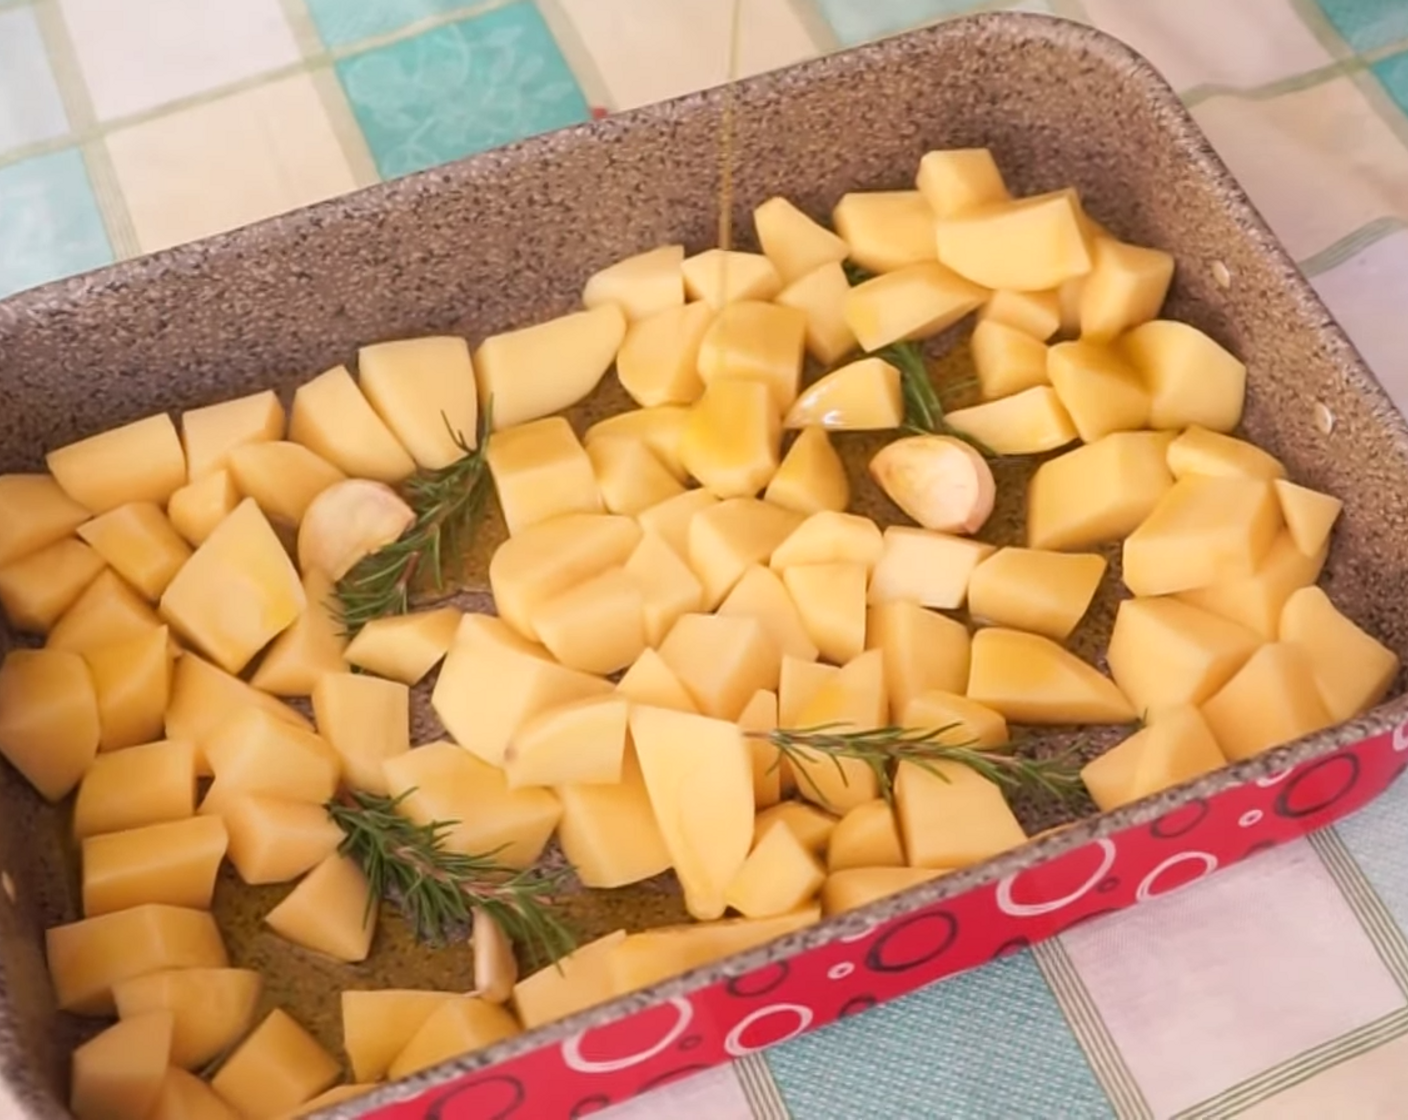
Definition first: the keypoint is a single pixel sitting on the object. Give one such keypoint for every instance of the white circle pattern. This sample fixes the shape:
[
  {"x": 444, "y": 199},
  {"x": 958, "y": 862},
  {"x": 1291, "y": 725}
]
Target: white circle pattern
[
  {"x": 734, "y": 1044},
  {"x": 840, "y": 971},
  {"x": 861, "y": 934},
  {"x": 1146, "y": 888},
  {"x": 1273, "y": 779},
  {"x": 1010, "y": 906},
  {"x": 572, "y": 1047},
  {"x": 1249, "y": 818}
]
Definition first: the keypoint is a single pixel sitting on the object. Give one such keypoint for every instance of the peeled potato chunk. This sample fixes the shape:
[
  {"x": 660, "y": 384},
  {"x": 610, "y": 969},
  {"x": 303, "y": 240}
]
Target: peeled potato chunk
[
  {"x": 423, "y": 390},
  {"x": 273, "y": 840},
  {"x": 1099, "y": 390},
  {"x": 1353, "y": 670},
  {"x": 211, "y": 1007},
  {"x": 759, "y": 718},
  {"x": 579, "y": 980},
  {"x": 719, "y": 277},
  {"x": 761, "y": 595},
  {"x": 581, "y": 741},
  {"x": 138, "y": 462},
  {"x": 821, "y": 296},
  {"x": 547, "y": 367},
  {"x": 132, "y": 680},
  {"x": 1199, "y": 451},
  {"x": 1026, "y": 245},
  {"x": 1026, "y": 423},
  {"x": 1126, "y": 287},
  {"x": 277, "y": 1068},
  {"x": 1273, "y": 699},
  {"x": 184, "y": 1096},
  {"x": 608, "y": 833},
  {"x": 658, "y": 362},
  {"x": 756, "y": 341},
  {"x": 1030, "y": 679},
  {"x": 38, "y": 589},
  {"x": 328, "y": 911},
  {"x": 365, "y": 721},
  {"x": 942, "y": 482},
  {"x": 643, "y": 959},
  {"x": 1098, "y": 493},
  {"x": 658, "y": 427},
  {"x": 377, "y": 1025},
  {"x": 1177, "y": 747},
  {"x": 1256, "y": 601},
  {"x": 811, "y": 825},
  {"x": 867, "y": 836},
  {"x": 953, "y": 818},
  {"x": 794, "y": 242},
  {"x": 666, "y": 586},
  {"x": 142, "y": 785},
  {"x": 862, "y": 396},
  {"x": 967, "y": 722},
  {"x": 139, "y": 544},
  {"x": 204, "y": 699},
  {"x": 315, "y": 644},
  {"x": 458, "y": 1026},
  {"x": 1035, "y": 590},
  {"x": 732, "y": 440},
  {"x": 1190, "y": 378},
  {"x": 404, "y": 647},
  {"x": 925, "y": 567},
  {"x": 921, "y": 649},
  {"x": 721, "y": 660},
  {"x": 283, "y": 478},
  {"x": 778, "y": 877},
  {"x": 830, "y": 537},
  {"x": 198, "y": 507},
  {"x": 34, "y": 512},
  {"x": 912, "y": 302},
  {"x": 641, "y": 285},
  {"x": 860, "y": 886},
  {"x": 855, "y": 696},
  {"x": 541, "y": 471},
  {"x": 255, "y": 751},
  {"x": 1037, "y": 314},
  {"x": 885, "y": 230},
  {"x": 830, "y": 599},
  {"x": 107, "y": 612},
  {"x": 629, "y": 476},
  {"x": 726, "y": 539},
  {"x": 1007, "y": 359},
  {"x": 209, "y": 434},
  {"x": 958, "y": 179},
  {"x": 118, "y": 1074},
  {"x": 1309, "y": 515},
  {"x": 49, "y": 727},
  {"x": 811, "y": 477},
  {"x": 173, "y": 863},
  {"x": 333, "y": 419}
]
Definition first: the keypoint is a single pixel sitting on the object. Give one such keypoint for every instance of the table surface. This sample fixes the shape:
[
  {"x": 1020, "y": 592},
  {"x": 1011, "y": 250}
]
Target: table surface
[{"x": 1278, "y": 989}]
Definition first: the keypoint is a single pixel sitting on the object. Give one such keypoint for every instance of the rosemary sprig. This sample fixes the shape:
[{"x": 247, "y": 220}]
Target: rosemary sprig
[
  {"x": 437, "y": 890},
  {"x": 882, "y": 747},
  {"x": 448, "y": 504},
  {"x": 923, "y": 410}
]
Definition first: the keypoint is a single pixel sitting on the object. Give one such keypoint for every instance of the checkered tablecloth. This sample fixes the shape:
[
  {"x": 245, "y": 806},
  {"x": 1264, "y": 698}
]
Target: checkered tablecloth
[{"x": 1276, "y": 990}]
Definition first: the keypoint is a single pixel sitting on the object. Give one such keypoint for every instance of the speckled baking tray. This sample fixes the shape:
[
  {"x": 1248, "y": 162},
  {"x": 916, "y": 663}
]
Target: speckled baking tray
[{"x": 507, "y": 238}]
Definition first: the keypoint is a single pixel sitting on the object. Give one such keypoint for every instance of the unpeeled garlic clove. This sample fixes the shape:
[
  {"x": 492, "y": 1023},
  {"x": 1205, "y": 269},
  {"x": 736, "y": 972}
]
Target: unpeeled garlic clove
[
  {"x": 495, "y": 966},
  {"x": 941, "y": 482},
  {"x": 347, "y": 521}
]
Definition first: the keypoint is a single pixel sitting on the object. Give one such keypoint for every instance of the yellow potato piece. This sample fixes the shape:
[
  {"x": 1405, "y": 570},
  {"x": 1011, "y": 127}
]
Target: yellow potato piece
[
  {"x": 137, "y": 462},
  {"x": 1126, "y": 287},
  {"x": 1164, "y": 652},
  {"x": 117, "y": 1075},
  {"x": 629, "y": 477},
  {"x": 608, "y": 833},
  {"x": 338, "y": 1094},
  {"x": 1099, "y": 390},
  {"x": 1033, "y": 589},
  {"x": 366, "y": 721},
  {"x": 726, "y": 539},
  {"x": 210, "y": 434},
  {"x": 597, "y": 626},
  {"x": 886, "y": 230},
  {"x": 855, "y": 696},
  {"x": 811, "y": 825},
  {"x": 1273, "y": 699},
  {"x": 333, "y": 419},
  {"x": 922, "y": 650},
  {"x": 811, "y": 477},
  {"x": 147, "y": 784},
  {"x": 579, "y": 980},
  {"x": 867, "y": 836},
  {"x": 965, "y": 722},
  {"x": 197, "y": 508},
  {"x": 1098, "y": 493},
  {"x": 314, "y": 645},
  {"x": 952, "y": 817},
  {"x": 459, "y": 1026},
  {"x": 184, "y": 1096},
  {"x": 862, "y": 396},
  {"x": 860, "y": 886},
  {"x": 328, "y": 912},
  {"x": 88, "y": 957},
  {"x": 283, "y": 478},
  {"x": 756, "y": 341},
  {"x": 1199, "y": 451},
  {"x": 658, "y": 427},
  {"x": 830, "y": 599},
  {"x": 925, "y": 567},
  {"x": 1031, "y": 679},
  {"x": 1026, "y": 423},
  {"x": 778, "y": 877},
  {"x": 173, "y": 864},
  {"x": 1191, "y": 379},
  {"x": 423, "y": 390},
  {"x": 732, "y": 442},
  {"x": 107, "y": 612},
  {"x": 760, "y": 715},
  {"x": 798, "y": 682},
  {"x": 956, "y": 180},
  {"x": 404, "y": 647},
  {"x": 720, "y": 277},
  {"x": 830, "y": 537},
  {"x": 651, "y": 681},
  {"x": 1256, "y": 601},
  {"x": 1353, "y": 670},
  {"x": 658, "y": 363},
  {"x": 581, "y": 741},
  {"x": 139, "y": 544},
  {"x": 450, "y": 784},
  {"x": 49, "y": 724},
  {"x": 204, "y": 699},
  {"x": 1027, "y": 245},
  {"x": 274, "y": 840},
  {"x": 34, "y": 513},
  {"x": 761, "y": 595},
  {"x": 721, "y": 661},
  {"x": 377, "y": 1025},
  {"x": 255, "y": 751},
  {"x": 666, "y": 586},
  {"x": 794, "y": 242},
  {"x": 1178, "y": 747},
  {"x": 669, "y": 520},
  {"x": 1037, "y": 314},
  {"x": 1309, "y": 515},
  {"x": 277, "y": 1068},
  {"x": 912, "y": 302},
  {"x": 821, "y": 295},
  {"x": 37, "y": 590},
  {"x": 1007, "y": 359},
  {"x": 211, "y": 1008},
  {"x": 541, "y": 471},
  {"x": 132, "y": 680},
  {"x": 640, "y": 285}
]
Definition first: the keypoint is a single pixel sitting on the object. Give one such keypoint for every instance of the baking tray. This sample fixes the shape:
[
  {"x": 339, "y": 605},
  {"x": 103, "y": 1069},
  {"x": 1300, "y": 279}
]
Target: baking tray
[{"x": 506, "y": 238}]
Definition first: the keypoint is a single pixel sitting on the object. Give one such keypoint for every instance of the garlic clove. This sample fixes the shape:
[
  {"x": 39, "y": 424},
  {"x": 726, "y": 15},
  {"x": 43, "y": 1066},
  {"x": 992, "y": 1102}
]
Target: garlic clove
[
  {"x": 941, "y": 482},
  {"x": 347, "y": 521},
  {"x": 495, "y": 966}
]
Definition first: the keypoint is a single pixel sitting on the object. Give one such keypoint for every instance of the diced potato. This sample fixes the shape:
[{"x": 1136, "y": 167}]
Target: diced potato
[
  {"x": 798, "y": 682},
  {"x": 669, "y": 520},
  {"x": 138, "y": 542},
  {"x": 732, "y": 442},
  {"x": 1007, "y": 359},
  {"x": 758, "y": 342},
  {"x": 459, "y": 1026},
  {"x": 1126, "y": 287},
  {"x": 1199, "y": 451},
  {"x": 830, "y": 599},
  {"x": 925, "y": 567},
  {"x": 608, "y": 833},
  {"x": 377, "y": 1025},
  {"x": 198, "y": 507},
  {"x": 956, "y": 180},
  {"x": 488, "y": 688},
  {"x": 860, "y": 886},
  {"x": 1100, "y": 391},
  {"x": 1030, "y": 679},
  {"x": 862, "y": 396},
  {"x": 812, "y": 477},
  {"x": 277, "y": 1068},
  {"x": 87, "y": 958},
  {"x": 659, "y": 359},
  {"x": 598, "y": 626},
  {"x": 423, "y": 391},
  {"x": 642, "y": 960},
  {"x": 726, "y": 539},
  {"x": 886, "y": 230},
  {"x": 759, "y": 715},
  {"x": 952, "y": 817},
  {"x": 699, "y": 776},
  {"x": 651, "y": 681},
  {"x": 541, "y": 471},
  {"x": 283, "y": 478},
  {"x": 37, "y": 590},
  {"x": 273, "y": 840},
  {"x": 723, "y": 276},
  {"x": 132, "y": 680},
  {"x": 236, "y": 592},
  {"x": 315, "y": 644},
  {"x": 969, "y": 723},
  {"x": 107, "y": 612},
  {"x": 581, "y": 741},
  {"x": 1027, "y": 245},
  {"x": 921, "y": 650},
  {"x": 254, "y": 751},
  {"x": 1206, "y": 530},
  {"x": 721, "y": 661},
  {"x": 184, "y": 1096},
  {"x": 204, "y": 699},
  {"x": 1190, "y": 378},
  {"x": 1098, "y": 493},
  {"x": 629, "y": 477},
  {"x": 450, "y": 784},
  {"x": 778, "y": 877},
  {"x": 1309, "y": 515},
  {"x": 1033, "y": 589},
  {"x": 641, "y": 285},
  {"x": 143, "y": 785},
  {"x": 854, "y": 696},
  {"x": 333, "y": 419},
  {"x": 579, "y": 980},
  {"x": 366, "y": 721},
  {"x": 1034, "y": 313},
  {"x": 658, "y": 427},
  {"x": 794, "y": 242},
  {"x": 49, "y": 726},
  {"x": 913, "y": 302},
  {"x": 760, "y": 595},
  {"x": 328, "y": 912},
  {"x": 117, "y": 1075},
  {"x": 1353, "y": 670},
  {"x": 811, "y": 825},
  {"x": 1273, "y": 699},
  {"x": 1176, "y": 748},
  {"x": 34, "y": 513},
  {"x": 1164, "y": 652},
  {"x": 404, "y": 647},
  {"x": 138, "y": 462},
  {"x": 821, "y": 294},
  {"x": 666, "y": 586},
  {"x": 867, "y": 836},
  {"x": 211, "y": 1008},
  {"x": 1026, "y": 423},
  {"x": 830, "y": 537},
  {"x": 173, "y": 863},
  {"x": 552, "y": 556},
  {"x": 209, "y": 434},
  {"x": 1256, "y": 601}
]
